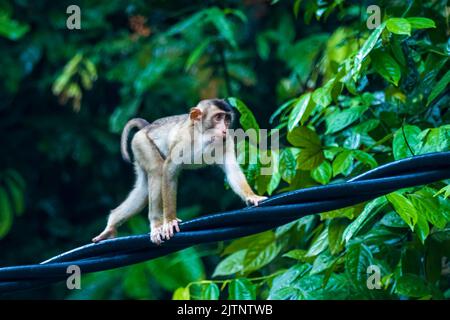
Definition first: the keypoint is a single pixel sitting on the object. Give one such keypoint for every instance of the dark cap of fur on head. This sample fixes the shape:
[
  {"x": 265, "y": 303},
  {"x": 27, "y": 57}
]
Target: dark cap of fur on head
[{"x": 222, "y": 105}]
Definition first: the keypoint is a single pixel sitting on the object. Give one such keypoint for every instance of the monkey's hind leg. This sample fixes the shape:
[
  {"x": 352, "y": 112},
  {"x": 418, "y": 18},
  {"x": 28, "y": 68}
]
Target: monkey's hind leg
[
  {"x": 135, "y": 202},
  {"x": 155, "y": 210}
]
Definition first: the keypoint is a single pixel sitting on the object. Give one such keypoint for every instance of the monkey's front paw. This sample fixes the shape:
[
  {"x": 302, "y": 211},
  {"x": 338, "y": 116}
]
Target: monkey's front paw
[
  {"x": 254, "y": 200},
  {"x": 169, "y": 226},
  {"x": 157, "y": 235}
]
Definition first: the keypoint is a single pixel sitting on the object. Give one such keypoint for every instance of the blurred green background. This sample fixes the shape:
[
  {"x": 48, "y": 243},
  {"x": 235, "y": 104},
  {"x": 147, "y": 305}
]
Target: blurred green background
[{"x": 65, "y": 96}]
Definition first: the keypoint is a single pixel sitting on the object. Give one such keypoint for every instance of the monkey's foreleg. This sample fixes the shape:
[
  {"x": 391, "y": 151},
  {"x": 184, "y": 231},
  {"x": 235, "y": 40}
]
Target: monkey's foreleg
[{"x": 136, "y": 201}]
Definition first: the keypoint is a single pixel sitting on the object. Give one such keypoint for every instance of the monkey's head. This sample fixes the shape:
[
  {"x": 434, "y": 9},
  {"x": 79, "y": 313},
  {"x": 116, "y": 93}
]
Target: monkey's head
[{"x": 213, "y": 116}]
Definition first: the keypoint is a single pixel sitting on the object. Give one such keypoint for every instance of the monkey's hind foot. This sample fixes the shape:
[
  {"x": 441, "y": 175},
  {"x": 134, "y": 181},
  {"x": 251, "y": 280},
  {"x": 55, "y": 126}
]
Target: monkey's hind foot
[
  {"x": 108, "y": 233},
  {"x": 169, "y": 226},
  {"x": 157, "y": 235}
]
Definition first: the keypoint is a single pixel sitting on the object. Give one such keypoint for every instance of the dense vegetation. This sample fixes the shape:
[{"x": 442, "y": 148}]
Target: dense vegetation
[{"x": 345, "y": 98}]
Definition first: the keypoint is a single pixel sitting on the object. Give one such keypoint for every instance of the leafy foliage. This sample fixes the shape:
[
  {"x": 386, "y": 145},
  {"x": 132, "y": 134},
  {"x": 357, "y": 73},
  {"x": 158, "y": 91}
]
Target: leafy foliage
[{"x": 348, "y": 100}]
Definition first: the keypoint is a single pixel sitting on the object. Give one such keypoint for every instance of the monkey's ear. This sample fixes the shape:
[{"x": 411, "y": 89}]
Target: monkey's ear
[{"x": 195, "y": 114}]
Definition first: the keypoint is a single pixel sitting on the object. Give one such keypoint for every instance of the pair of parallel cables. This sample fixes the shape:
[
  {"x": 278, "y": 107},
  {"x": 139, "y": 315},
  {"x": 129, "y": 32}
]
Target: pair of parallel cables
[{"x": 273, "y": 212}]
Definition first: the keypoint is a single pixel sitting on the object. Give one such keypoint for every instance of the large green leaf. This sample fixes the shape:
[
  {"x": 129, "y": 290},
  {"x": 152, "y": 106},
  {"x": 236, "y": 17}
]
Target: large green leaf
[
  {"x": 223, "y": 26},
  {"x": 404, "y": 208},
  {"x": 370, "y": 210},
  {"x": 241, "y": 289},
  {"x": 357, "y": 260},
  {"x": 342, "y": 162},
  {"x": 367, "y": 47},
  {"x": 339, "y": 120},
  {"x": 178, "y": 269},
  {"x": 301, "y": 111},
  {"x": 304, "y": 137},
  {"x": 421, "y": 23},
  {"x": 428, "y": 207},
  {"x": 261, "y": 252},
  {"x": 232, "y": 264},
  {"x": 247, "y": 119},
  {"x": 322, "y": 173},
  {"x": 412, "y": 285},
  {"x": 336, "y": 229},
  {"x": 386, "y": 66},
  {"x": 288, "y": 165},
  {"x": 210, "y": 291},
  {"x": 407, "y": 135},
  {"x": 398, "y": 26}
]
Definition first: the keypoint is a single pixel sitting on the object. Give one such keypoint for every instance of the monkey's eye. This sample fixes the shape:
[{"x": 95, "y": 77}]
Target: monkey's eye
[{"x": 218, "y": 117}]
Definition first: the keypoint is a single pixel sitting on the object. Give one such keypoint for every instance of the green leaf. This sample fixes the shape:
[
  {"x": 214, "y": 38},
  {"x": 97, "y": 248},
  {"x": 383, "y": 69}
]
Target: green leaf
[
  {"x": 178, "y": 269},
  {"x": 196, "y": 54},
  {"x": 386, "y": 66},
  {"x": 181, "y": 294},
  {"x": 282, "y": 108},
  {"x": 322, "y": 96},
  {"x": 247, "y": 119},
  {"x": 304, "y": 137},
  {"x": 445, "y": 190},
  {"x": 319, "y": 244},
  {"x": 312, "y": 154},
  {"x": 288, "y": 164},
  {"x": 296, "y": 254},
  {"x": 412, "y": 285},
  {"x": 231, "y": 264},
  {"x": 322, "y": 263},
  {"x": 421, "y": 23},
  {"x": 241, "y": 289},
  {"x": 339, "y": 120},
  {"x": 218, "y": 18},
  {"x": 370, "y": 210},
  {"x": 439, "y": 87},
  {"x": 6, "y": 214},
  {"x": 310, "y": 158},
  {"x": 240, "y": 244},
  {"x": 210, "y": 291},
  {"x": 336, "y": 229},
  {"x": 11, "y": 29},
  {"x": 422, "y": 228},
  {"x": 187, "y": 24},
  {"x": 301, "y": 111},
  {"x": 261, "y": 252},
  {"x": 133, "y": 285},
  {"x": 322, "y": 173},
  {"x": 357, "y": 259},
  {"x": 342, "y": 162},
  {"x": 365, "y": 158},
  {"x": 367, "y": 47},
  {"x": 404, "y": 208},
  {"x": 400, "y": 144},
  {"x": 393, "y": 220},
  {"x": 282, "y": 286},
  {"x": 428, "y": 207},
  {"x": 398, "y": 26}
]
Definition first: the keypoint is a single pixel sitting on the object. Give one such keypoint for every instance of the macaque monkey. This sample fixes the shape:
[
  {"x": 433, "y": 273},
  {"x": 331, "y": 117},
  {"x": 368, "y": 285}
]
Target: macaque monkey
[{"x": 159, "y": 148}]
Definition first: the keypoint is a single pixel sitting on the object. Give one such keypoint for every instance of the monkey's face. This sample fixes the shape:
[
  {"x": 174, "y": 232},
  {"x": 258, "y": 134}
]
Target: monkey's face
[{"x": 212, "y": 120}]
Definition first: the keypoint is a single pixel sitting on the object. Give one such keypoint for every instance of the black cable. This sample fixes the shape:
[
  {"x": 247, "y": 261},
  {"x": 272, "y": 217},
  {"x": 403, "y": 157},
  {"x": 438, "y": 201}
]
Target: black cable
[{"x": 276, "y": 211}]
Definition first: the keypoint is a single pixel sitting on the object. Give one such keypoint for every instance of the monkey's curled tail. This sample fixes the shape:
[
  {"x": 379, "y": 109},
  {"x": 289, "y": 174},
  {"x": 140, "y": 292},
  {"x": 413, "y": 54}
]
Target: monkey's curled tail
[{"x": 133, "y": 123}]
